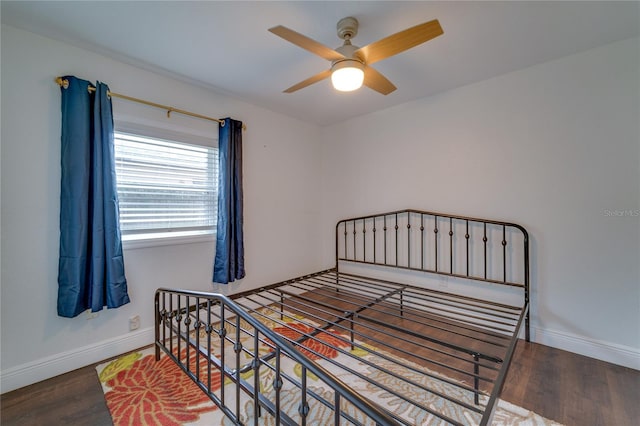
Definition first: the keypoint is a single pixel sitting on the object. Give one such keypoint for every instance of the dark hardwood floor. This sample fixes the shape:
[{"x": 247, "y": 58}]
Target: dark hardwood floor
[
  {"x": 565, "y": 387},
  {"x": 573, "y": 389},
  {"x": 73, "y": 398}
]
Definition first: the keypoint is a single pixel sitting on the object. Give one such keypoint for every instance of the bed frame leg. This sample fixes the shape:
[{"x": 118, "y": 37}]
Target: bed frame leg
[
  {"x": 351, "y": 315},
  {"x": 158, "y": 318},
  {"x": 476, "y": 380},
  {"x": 281, "y": 306},
  {"x": 352, "y": 338}
]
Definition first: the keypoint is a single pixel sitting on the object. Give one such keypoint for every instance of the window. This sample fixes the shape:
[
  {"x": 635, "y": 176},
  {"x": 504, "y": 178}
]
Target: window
[{"x": 166, "y": 188}]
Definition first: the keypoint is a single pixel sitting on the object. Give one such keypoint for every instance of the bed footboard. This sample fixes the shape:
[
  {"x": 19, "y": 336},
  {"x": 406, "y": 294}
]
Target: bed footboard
[{"x": 237, "y": 360}]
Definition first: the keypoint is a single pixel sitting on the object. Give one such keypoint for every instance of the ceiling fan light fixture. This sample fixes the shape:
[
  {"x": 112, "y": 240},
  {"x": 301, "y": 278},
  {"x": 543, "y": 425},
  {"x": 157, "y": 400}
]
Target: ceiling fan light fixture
[{"x": 347, "y": 75}]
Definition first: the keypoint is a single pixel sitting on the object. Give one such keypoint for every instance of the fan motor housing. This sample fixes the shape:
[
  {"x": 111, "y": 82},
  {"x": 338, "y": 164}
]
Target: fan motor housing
[{"x": 348, "y": 50}]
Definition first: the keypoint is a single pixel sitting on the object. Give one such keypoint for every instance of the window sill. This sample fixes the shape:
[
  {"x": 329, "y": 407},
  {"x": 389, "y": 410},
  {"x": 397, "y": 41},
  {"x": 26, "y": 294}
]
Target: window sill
[{"x": 138, "y": 241}]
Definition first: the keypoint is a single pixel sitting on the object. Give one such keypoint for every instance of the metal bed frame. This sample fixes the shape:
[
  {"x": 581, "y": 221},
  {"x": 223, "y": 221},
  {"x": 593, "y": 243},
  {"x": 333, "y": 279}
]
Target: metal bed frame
[{"x": 402, "y": 329}]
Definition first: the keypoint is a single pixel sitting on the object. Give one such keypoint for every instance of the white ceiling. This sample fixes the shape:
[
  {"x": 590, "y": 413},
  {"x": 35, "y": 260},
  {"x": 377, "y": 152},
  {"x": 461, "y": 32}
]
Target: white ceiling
[{"x": 226, "y": 45}]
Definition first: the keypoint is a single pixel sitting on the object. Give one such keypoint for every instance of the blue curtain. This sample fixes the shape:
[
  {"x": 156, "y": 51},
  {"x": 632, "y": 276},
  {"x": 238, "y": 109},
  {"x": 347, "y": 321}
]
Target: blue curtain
[
  {"x": 91, "y": 266},
  {"x": 229, "y": 261}
]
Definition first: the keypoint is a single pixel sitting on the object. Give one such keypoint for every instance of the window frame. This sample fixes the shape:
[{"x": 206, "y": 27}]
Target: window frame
[{"x": 138, "y": 240}]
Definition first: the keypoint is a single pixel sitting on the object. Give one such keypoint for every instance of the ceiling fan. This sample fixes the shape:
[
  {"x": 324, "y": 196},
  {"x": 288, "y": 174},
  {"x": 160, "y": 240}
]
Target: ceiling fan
[{"x": 350, "y": 65}]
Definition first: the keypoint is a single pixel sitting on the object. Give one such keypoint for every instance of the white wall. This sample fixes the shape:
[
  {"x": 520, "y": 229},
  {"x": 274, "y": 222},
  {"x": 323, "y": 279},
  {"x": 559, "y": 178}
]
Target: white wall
[
  {"x": 282, "y": 178},
  {"x": 553, "y": 147}
]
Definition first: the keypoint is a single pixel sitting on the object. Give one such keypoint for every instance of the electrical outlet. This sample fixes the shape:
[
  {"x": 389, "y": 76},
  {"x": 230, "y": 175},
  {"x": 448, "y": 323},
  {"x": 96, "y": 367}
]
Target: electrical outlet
[
  {"x": 92, "y": 315},
  {"x": 134, "y": 322}
]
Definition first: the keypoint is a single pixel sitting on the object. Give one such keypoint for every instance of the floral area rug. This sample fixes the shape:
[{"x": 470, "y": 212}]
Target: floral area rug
[{"x": 140, "y": 391}]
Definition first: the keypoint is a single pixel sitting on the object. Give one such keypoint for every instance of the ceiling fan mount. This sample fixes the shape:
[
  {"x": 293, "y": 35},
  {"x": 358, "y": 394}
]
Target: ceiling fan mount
[
  {"x": 347, "y": 28},
  {"x": 353, "y": 63}
]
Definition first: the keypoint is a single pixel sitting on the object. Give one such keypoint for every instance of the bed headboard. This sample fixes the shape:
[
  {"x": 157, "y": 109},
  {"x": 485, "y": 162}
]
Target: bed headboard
[{"x": 458, "y": 246}]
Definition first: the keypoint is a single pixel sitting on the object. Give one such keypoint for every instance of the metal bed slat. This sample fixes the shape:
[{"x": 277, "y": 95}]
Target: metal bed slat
[
  {"x": 371, "y": 305},
  {"x": 382, "y": 386},
  {"x": 382, "y": 355},
  {"x": 323, "y": 329},
  {"x": 383, "y": 343},
  {"x": 456, "y": 322},
  {"x": 311, "y": 336},
  {"x": 426, "y": 290},
  {"x": 374, "y": 284},
  {"x": 307, "y": 336},
  {"x": 339, "y": 319},
  {"x": 434, "y": 299},
  {"x": 331, "y": 306}
]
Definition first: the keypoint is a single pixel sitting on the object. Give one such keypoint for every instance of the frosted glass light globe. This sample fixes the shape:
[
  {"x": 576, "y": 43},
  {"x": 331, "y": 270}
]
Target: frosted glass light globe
[{"x": 347, "y": 75}]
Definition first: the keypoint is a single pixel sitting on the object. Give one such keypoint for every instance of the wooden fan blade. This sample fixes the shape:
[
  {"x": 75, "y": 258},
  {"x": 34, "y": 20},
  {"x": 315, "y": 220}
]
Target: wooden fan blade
[
  {"x": 399, "y": 42},
  {"x": 306, "y": 43},
  {"x": 376, "y": 81},
  {"x": 308, "y": 82}
]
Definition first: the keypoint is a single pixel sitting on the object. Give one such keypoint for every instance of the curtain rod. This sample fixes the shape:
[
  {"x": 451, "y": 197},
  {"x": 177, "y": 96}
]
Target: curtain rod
[{"x": 65, "y": 84}]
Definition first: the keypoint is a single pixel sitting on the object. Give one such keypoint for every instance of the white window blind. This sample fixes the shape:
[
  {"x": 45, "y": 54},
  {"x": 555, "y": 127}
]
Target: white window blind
[{"x": 165, "y": 186}]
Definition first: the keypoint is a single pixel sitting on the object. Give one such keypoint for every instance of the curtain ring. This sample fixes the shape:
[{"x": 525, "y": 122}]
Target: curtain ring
[{"x": 221, "y": 123}]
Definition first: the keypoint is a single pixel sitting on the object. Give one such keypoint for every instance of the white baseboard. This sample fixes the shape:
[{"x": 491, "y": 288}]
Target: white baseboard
[
  {"x": 51, "y": 366},
  {"x": 605, "y": 351}
]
